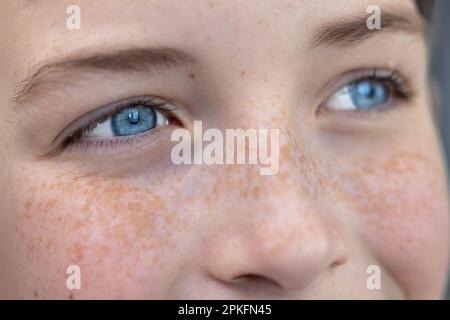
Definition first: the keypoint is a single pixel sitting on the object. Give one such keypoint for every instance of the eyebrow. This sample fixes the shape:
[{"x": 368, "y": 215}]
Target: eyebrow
[
  {"x": 340, "y": 33},
  {"x": 350, "y": 32},
  {"x": 126, "y": 60}
]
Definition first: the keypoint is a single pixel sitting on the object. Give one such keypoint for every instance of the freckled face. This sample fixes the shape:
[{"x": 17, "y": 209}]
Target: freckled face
[{"x": 361, "y": 179}]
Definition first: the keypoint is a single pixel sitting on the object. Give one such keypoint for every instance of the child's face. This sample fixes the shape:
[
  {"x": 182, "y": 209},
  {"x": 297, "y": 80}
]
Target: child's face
[{"x": 361, "y": 181}]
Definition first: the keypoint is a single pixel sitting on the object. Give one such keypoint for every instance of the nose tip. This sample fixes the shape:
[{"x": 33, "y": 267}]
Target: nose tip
[
  {"x": 295, "y": 265},
  {"x": 288, "y": 262},
  {"x": 286, "y": 237}
]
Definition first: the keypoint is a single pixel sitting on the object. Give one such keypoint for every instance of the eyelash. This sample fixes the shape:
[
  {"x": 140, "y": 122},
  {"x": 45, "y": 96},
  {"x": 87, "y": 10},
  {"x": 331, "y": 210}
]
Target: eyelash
[
  {"x": 401, "y": 88},
  {"x": 75, "y": 139}
]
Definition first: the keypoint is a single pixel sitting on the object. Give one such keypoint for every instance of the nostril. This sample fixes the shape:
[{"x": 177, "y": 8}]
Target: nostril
[
  {"x": 247, "y": 277},
  {"x": 338, "y": 263},
  {"x": 253, "y": 279}
]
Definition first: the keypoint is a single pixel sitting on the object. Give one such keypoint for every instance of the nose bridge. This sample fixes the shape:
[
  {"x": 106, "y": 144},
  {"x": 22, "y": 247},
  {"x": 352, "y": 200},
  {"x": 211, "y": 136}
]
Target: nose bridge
[
  {"x": 285, "y": 207},
  {"x": 280, "y": 232},
  {"x": 277, "y": 226}
]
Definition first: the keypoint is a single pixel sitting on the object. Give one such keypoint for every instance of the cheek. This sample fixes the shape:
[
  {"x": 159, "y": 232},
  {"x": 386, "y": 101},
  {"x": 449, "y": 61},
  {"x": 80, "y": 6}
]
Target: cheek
[
  {"x": 121, "y": 236},
  {"x": 401, "y": 200}
]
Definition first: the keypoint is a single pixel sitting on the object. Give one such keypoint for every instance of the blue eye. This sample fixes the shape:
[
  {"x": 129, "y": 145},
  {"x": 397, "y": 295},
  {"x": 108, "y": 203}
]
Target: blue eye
[
  {"x": 133, "y": 120},
  {"x": 367, "y": 94},
  {"x": 361, "y": 95},
  {"x": 129, "y": 121}
]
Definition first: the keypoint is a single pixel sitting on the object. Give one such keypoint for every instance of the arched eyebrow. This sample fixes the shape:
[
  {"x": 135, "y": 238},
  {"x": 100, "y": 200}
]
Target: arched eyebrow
[
  {"x": 130, "y": 60},
  {"x": 352, "y": 31}
]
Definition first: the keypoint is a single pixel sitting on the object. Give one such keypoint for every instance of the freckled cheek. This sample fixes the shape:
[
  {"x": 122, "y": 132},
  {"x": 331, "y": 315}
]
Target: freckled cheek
[
  {"x": 403, "y": 214},
  {"x": 118, "y": 235},
  {"x": 406, "y": 219}
]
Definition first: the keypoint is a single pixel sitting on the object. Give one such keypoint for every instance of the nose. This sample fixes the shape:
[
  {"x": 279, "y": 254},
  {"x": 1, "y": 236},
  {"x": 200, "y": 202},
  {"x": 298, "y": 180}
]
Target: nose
[{"x": 281, "y": 238}]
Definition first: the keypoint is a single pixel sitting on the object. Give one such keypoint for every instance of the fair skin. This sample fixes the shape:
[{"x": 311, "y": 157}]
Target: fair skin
[{"x": 354, "y": 188}]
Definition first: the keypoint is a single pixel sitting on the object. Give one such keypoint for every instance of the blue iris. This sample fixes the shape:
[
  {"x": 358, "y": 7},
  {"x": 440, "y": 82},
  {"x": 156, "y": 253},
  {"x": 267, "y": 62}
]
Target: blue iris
[
  {"x": 367, "y": 94},
  {"x": 133, "y": 120}
]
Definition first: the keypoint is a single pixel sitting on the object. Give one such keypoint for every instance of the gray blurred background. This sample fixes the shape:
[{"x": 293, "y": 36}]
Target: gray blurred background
[{"x": 440, "y": 67}]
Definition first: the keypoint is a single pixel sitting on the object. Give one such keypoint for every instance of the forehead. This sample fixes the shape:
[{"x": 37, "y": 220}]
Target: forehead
[
  {"x": 152, "y": 13},
  {"x": 40, "y": 25}
]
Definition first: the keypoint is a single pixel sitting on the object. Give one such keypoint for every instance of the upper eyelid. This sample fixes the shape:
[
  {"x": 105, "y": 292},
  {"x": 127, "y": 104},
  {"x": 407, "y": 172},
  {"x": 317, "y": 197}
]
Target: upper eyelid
[
  {"x": 403, "y": 85},
  {"x": 358, "y": 74},
  {"x": 59, "y": 149}
]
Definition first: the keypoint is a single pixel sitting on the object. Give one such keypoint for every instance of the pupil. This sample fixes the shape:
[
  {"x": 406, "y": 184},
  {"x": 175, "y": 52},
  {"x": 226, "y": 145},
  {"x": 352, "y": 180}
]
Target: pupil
[
  {"x": 133, "y": 116},
  {"x": 366, "y": 89},
  {"x": 133, "y": 120}
]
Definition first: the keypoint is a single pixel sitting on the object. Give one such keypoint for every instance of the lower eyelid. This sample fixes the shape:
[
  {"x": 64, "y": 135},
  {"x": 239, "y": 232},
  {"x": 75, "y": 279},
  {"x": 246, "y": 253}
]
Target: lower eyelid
[
  {"x": 351, "y": 121},
  {"x": 116, "y": 145}
]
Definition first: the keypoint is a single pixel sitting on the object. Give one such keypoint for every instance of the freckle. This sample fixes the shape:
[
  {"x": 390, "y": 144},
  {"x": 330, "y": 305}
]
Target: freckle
[
  {"x": 28, "y": 204},
  {"x": 48, "y": 205},
  {"x": 285, "y": 153},
  {"x": 78, "y": 250},
  {"x": 104, "y": 249},
  {"x": 242, "y": 73},
  {"x": 48, "y": 244},
  {"x": 256, "y": 192},
  {"x": 216, "y": 188},
  {"x": 134, "y": 206},
  {"x": 71, "y": 297},
  {"x": 129, "y": 272},
  {"x": 30, "y": 247},
  {"x": 368, "y": 169},
  {"x": 86, "y": 206},
  {"x": 192, "y": 76}
]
